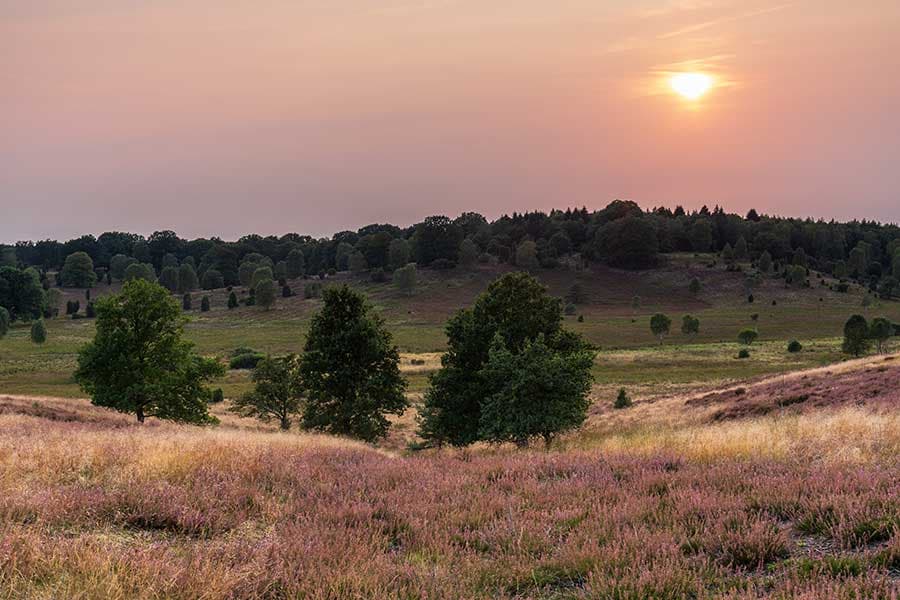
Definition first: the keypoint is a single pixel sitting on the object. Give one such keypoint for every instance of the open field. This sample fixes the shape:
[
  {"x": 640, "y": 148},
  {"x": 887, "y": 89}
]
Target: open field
[
  {"x": 94, "y": 506},
  {"x": 629, "y": 355}
]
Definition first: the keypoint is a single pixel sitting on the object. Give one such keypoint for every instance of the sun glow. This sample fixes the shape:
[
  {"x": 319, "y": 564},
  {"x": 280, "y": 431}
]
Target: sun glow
[{"x": 691, "y": 86}]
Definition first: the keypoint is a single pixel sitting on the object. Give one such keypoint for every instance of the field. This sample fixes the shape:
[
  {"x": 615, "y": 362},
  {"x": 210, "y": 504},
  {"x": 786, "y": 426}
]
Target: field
[{"x": 776, "y": 476}]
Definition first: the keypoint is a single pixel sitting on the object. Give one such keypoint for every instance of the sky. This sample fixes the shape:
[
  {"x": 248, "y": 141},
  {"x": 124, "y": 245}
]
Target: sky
[{"x": 226, "y": 117}]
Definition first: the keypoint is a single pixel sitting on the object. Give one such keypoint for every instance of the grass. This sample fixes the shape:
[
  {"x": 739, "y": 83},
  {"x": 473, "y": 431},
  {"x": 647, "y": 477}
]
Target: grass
[{"x": 101, "y": 508}]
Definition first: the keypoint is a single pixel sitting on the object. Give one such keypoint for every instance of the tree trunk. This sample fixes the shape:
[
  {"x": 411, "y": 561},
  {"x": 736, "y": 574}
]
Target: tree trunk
[
  {"x": 140, "y": 414},
  {"x": 285, "y": 423}
]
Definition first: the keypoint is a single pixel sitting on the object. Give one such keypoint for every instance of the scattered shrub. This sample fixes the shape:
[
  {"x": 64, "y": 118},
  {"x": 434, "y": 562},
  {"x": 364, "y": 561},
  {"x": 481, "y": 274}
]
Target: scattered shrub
[
  {"x": 204, "y": 304},
  {"x": 622, "y": 400},
  {"x": 38, "y": 332},
  {"x": 744, "y": 353},
  {"x": 794, "y": 346},
  {"x": 247, "y": 360},
  {"x": 286, "y": 292},
  {"x": 186, "y": 302},
  {"x": 217, "y": 396},
  {"x": 232, "y": 300}
]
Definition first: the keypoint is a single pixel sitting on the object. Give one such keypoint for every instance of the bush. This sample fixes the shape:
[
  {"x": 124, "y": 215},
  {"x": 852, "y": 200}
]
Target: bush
[
  {"x": 744, "y": 353},
  {"x": 186, "y": 302},
  {"x": 232, "y": 300},
  {"x": 748, "y": 336},
  {"x": 217, "y": 396},
  {"x": 581, "y": 318},
  {"x": 794, "y": 346},
  {"x": 38, "y": 332},
  {"x": 378, "y": 275},
  {"x": 286, "y": 292},
  {"x": 622, "y": 400},
  {"x": 89, "y": 311},
  {"x": 312, "y": 290},
  {"x": 204, "y": 304},
  {"x": 248, "y": 360}
]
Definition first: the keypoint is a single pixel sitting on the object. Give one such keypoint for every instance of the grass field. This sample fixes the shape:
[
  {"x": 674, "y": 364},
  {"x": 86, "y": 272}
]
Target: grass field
[{"x": 629, "y": 354}]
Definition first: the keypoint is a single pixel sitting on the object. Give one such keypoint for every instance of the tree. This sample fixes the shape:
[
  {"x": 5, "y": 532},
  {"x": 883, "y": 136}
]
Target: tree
[
  {"x": 398, "y": 253},
  {"x": 747, "y": 336},
  {"x": 357, "y": 263},
  {"x": 277, "y": 392},
  {"x": 232, "y": 300},
  {"x": 38, "y": 332},
  {"x": 526, "y": 256},
  {"x": 856, "y": 336},
  {"x": 740, "y": 249},
  {"x": 690, "y": 325},
  {"x": 261, "y": 274},
  {"x": 4, "y": 322},
  {"x": 138, "y": 362},
  {"x": 880, "y": 331},
  {"x": 518, "y": 309},
  {"x": 796, "y": 275},
  {"x": 840, "y": 270},
  {"x": 78, "y": 271},
  {"x": 204, "y": 304},
  {"x": 187, "y": 279},
  {"x": 468, "y": 253},
  {"x": 168, "y": 278},
  {"x": 213, "y": 279},
  {"x": 436, "y": 238},
  {"x": 622, "y": 400},
  {"x": 577, "y": 294},
  {"x": 537, "y": 392},
  {"x": 405, "y": 279},
  {"x": 140, "y": 271},
  {"x": 765, "y": 263},
  {"x": 266, "y": 294},
  {"x": 660, "y": 325},
  {"x": 350, "y": 369},
  {"x": 694, "y": 287},
  {"x": 629, "y": 243},
  {"x": 728, "y": 253},
  {"x": 701, "y": 235},
  {"x": 21, "y": 294},
  {"x": 635, "y": 304},
  {"x": 296, "y": 264},
  {"x": 887, "y": 287},
  {"x": 118, "y": 264}
]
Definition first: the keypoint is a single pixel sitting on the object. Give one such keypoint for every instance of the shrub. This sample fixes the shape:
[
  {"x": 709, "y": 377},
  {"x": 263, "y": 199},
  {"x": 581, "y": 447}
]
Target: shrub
[
  {"x": 4, "y": 321},
  {"x": 72, "y": 307},
  {"x": 660, "y": 325},
  {"x": 581, "y": 318},
  {"x": 38, "y": 332},
  {"x": 748, "y": 336},
  {"x": 264, "y": 294},
  {"x": 690, "y": 325},
  {"x": 377, "y": 275},
  {"x": 405, "y": 279},
  {"x": 794, "y": 346},
  {"x": 286, "y": 292},
  {"x": 89, "y": 311},
  {"x": 744, "y": 353},
  {"x": 217, "y": 396},
  {"x": 312, "y": 290},
  {"x": 186, "y": 302},
  {"x": 187, "y": 279},
  {"x": 247, "y": 360},
  {"x": 694, "y": 286},
  {"x": 232, "y": 300},
  {"x": 204, "y": 304},
  {"x": 622, "y": 400},
  {"x": 754, "y": 317}
]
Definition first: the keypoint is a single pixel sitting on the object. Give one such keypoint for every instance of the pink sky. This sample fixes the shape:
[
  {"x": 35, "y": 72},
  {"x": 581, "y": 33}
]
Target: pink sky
[{"x": 222, "y": 117}]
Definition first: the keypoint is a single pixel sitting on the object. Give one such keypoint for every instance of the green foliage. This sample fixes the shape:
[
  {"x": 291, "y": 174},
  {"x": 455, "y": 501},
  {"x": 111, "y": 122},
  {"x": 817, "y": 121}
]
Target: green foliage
[
  {"x": 537, "y": 392},
  {"x": 660, "y": 325},
  {"x": 765, "y": 263},
  {"x": 118, "y": 264},
  {"x": 4, "y": 322},
  {"x": 245, "y": 358},
  {"x": 888, "y": 287},
  {"x": 280, "y": 270},
  {"x": 694, "y": 287},
  {"x": 312, "y": 290},
  {"x": 436, "y": 238},
  {"x": 186, "y": 302},
  {"x": 187, "y": 279},
  {"x": 518, "y": 309},
  {"x": 630, "y": 242},
  {"x": 622, "y": 400},
  {"x": 728, "y": 253},
  {"x": 795, "y": 275},
  {"x": 296, "y": 264},
  {"x": 78, "y": 271},
  {"x": 350, "y": 369},
  {"x": 880, "y": 331},
  {"x": 570, "y": 309},
  {"x": 701, "y": 235},
  {"x": 856, "y": 336},
  {"x": 794, "y": 346},
  {"x": 169, "y": 260},
  {"x": 577, "y": 294},
  {"x": 143, "y": 271},
  {"x": 232, "y": 300},
  {"x": 217, "y": 396},
  {"x": 357, "y": 263},
  {"x": 138, "y": 362},
  {"x": 468, "y": 253},
  {"x": 405, "y": 279},
  {"x": 266, "y": 294},
  {"x": 204, "y": 304},
  {"x": 377, "y": 275},
  {"x": 743, "y": 353},
  {"x": 526, "y": 256},
  {"x": 21, "y": 294},
  {"x": 262, "y": 274},
  {"x": 690, "y": 325},
  {"x": 740, "y": 249},
  {"x": 398, "y": 253},
  {"x": 213, "y": 279},
  {"x": 840, "y": 270},
  {"x": 38, "y": 332},
  {"x": 748, "y": 336},
  {"x": 168, "y": 278},
  {"x": 277, "y": 392}
]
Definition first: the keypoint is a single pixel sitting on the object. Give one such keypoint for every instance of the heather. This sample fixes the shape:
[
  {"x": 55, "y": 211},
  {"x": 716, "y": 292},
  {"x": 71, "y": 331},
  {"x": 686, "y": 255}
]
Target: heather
[{"x": 104, "y": 508}]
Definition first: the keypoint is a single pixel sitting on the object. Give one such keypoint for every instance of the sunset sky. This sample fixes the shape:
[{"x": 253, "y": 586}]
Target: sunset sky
[{"x": 224, "y": 117}]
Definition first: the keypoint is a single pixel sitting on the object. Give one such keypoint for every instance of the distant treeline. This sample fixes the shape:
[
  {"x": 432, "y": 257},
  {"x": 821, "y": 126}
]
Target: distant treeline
[{"x": 622, "y": 235}]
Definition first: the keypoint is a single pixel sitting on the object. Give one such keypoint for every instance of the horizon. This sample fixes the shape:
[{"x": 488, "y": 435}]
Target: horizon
[{"x": 135, "y": 116}]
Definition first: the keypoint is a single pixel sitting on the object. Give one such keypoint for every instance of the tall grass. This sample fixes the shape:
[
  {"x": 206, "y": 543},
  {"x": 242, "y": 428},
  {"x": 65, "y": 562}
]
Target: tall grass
[{"x": 112, "y": 510}]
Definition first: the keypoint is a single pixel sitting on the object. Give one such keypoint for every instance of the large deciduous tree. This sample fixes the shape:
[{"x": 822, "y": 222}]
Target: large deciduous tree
[
  {"x": 138, "y": 362},
  {"x": 78, "y": 271},
  {"x": 350, "y": 369},
  {"x": 277, "y": 393},
  {"x": 21, "y": 294},
  {"x": 856, "y": 336}
]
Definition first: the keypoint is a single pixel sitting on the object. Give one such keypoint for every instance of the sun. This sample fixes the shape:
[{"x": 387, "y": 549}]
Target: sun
[{"x": 691, "y": 86}]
